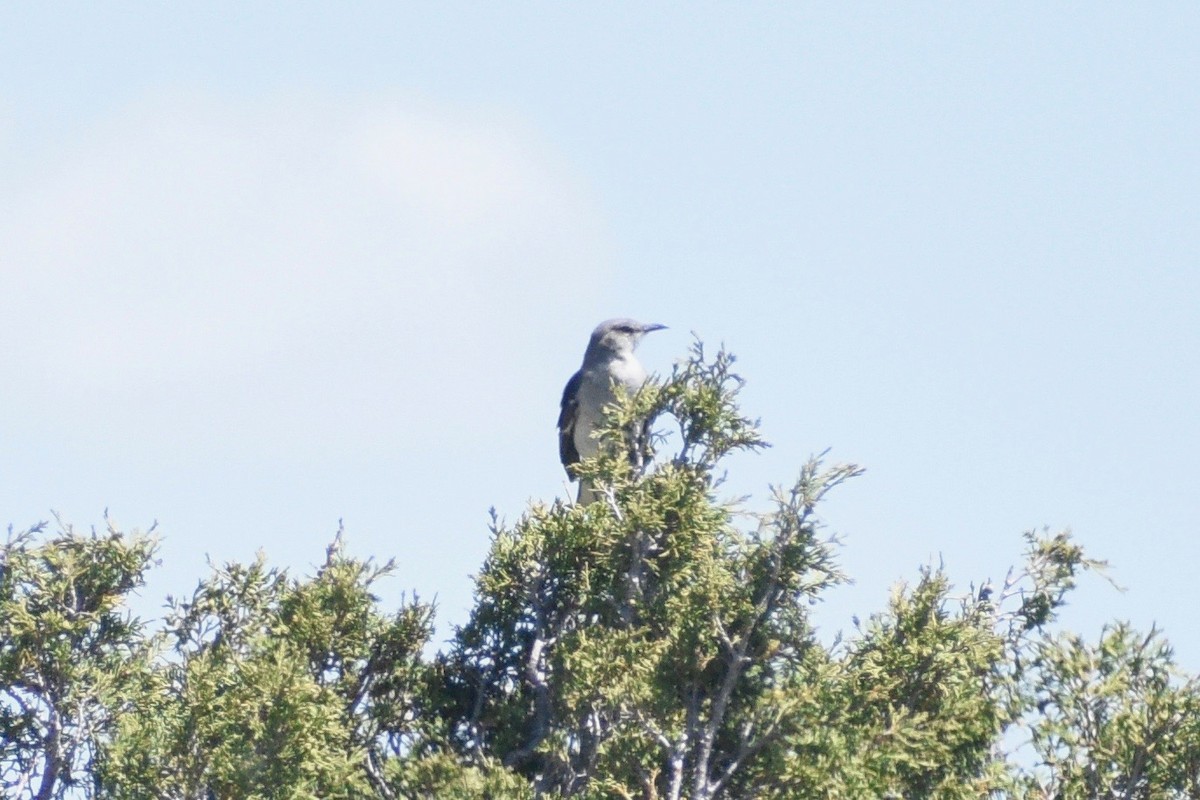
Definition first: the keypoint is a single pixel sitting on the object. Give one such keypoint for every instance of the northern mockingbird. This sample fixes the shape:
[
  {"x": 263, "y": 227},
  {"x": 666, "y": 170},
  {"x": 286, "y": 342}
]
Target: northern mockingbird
[{"x": 608, "y": 362}]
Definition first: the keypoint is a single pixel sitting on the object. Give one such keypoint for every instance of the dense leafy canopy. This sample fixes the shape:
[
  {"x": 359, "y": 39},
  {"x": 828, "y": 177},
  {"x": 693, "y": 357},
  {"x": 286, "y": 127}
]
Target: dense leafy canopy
[{"x": 655, "y": 644}]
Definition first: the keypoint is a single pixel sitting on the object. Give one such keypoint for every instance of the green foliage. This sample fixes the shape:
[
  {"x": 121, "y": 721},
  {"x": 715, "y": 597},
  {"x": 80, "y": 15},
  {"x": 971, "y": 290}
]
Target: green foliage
[
  {"x": 69, "y": 660},
  {"x": 654, "y": 644},
  {"x": 1116, "y": 720},
  {"x": 276, "y": 687}
]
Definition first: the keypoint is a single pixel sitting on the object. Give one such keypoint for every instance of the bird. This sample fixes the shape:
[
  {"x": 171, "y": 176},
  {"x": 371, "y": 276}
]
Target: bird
[{"x": 608, "y": 362}]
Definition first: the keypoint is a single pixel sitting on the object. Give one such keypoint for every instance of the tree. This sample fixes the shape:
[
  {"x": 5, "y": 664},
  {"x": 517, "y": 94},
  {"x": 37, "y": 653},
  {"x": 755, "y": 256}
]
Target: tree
[
  {"x": 275, "y": 687},
  {"x": 656, "y": 644},
  {"x": 69, "y": 659},
  {"x": 1114, "y": 719}
]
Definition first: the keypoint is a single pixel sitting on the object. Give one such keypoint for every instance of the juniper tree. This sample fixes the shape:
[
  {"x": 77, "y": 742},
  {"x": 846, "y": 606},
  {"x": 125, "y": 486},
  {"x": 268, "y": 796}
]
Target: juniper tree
[
  {"x": 70, "y": 656},
  {"x": 654, "y": 644},
  {"x": 659, "y": 644},
  {"x": 277, "y": 687}
]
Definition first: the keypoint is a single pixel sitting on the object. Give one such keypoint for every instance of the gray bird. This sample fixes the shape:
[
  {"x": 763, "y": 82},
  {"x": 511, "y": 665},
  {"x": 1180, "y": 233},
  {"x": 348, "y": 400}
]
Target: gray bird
[{"x": 608, "y": 362}]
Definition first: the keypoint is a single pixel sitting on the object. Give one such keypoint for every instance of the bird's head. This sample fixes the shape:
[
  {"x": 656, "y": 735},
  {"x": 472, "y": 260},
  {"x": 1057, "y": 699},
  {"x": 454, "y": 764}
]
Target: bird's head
[{"x": 619, "y": 336}]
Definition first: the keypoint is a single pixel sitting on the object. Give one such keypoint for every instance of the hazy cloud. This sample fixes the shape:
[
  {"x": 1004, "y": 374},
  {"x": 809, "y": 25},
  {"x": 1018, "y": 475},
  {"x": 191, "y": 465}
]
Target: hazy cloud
[{"x": 188, "y": 264}]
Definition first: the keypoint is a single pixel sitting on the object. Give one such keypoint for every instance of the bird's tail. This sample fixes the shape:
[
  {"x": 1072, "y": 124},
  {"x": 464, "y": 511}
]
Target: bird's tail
[{"x": 588, "y": 493}]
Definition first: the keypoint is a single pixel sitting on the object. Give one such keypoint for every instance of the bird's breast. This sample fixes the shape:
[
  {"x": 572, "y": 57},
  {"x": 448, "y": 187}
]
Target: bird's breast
[
  {"x": 596, "y": 388},
  {"x": 628, "y": 372}
]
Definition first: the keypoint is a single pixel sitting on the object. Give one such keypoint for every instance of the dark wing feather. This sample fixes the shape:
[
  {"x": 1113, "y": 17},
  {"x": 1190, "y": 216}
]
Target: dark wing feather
[{"x": 566, "y": 424}]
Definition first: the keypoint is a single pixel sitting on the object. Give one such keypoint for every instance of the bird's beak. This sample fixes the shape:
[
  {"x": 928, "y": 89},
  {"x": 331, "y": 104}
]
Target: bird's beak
[{"x": 653, "y": 326}]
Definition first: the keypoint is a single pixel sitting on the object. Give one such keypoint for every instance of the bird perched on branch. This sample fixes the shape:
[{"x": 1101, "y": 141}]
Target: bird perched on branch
[{"x": 608, "y": 363}]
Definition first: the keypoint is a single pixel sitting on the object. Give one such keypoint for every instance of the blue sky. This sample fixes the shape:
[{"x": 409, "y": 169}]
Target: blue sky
[{"x": 266, "y": 267}]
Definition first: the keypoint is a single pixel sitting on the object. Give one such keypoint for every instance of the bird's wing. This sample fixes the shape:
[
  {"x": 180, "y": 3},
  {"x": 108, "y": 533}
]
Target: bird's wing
[{"x": 566, "y": 424}]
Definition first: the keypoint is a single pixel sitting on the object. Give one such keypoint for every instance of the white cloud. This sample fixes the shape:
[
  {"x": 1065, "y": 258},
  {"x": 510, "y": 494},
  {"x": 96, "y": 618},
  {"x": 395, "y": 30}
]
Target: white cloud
[{"x": 276, "y": 264}]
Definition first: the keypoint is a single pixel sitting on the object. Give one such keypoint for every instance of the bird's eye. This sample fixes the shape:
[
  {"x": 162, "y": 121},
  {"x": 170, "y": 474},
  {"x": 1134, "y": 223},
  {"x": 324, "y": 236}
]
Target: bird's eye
[{"x": 625, "y": 329}]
